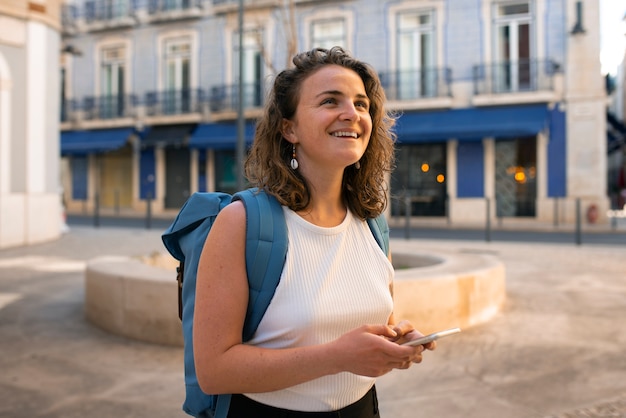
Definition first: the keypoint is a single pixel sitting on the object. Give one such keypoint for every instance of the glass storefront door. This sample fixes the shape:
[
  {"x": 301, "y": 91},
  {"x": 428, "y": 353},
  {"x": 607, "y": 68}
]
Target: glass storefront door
[
  {"x": 420, "y": 176},
  {"x": 516, "y": 177}
]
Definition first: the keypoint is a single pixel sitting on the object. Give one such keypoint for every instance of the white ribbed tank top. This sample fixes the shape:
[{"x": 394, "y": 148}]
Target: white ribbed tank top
[{"x": 334, "y": 280}]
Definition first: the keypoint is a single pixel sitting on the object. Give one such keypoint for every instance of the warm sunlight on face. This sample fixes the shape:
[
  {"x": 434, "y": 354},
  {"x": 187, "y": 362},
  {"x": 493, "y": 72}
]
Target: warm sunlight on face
[{"x": 332, "y": 125}]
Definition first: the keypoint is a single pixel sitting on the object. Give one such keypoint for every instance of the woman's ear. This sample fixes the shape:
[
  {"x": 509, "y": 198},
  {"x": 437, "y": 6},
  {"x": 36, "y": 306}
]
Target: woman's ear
[{"x": 287, "y": 130}]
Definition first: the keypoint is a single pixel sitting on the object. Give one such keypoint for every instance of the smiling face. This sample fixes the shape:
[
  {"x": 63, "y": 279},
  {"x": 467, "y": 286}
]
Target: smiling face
[{"x": 332, "y": 125}]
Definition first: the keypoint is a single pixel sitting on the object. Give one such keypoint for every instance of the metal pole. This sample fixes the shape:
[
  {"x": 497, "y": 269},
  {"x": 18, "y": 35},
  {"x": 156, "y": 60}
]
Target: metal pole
[
  {"x": 96, "y": 210},
  {"x": 499, "y": 215},
  {"x": 556, "y": 212},
  {"x": 117, "y": 201},
  {"x": 148, "y": 210},
  {"x": 488, "y": 222},
  {"x": 578, "y": 222},
  {"x": 241, "y": 141},
  {"x": 407, "y": 214}
]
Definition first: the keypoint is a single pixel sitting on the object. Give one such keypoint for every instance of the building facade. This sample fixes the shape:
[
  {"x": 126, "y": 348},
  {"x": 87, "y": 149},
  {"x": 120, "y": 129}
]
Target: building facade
[
  {"x": 501, "y": 103},
  {"x": 30, "y": 198},
  {"x": 616, "y": 133}
]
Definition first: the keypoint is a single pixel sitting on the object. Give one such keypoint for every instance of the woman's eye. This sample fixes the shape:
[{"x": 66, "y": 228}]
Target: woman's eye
[
  {"x": 329, "y": 100},
  {"x": 364, "y": 105}
]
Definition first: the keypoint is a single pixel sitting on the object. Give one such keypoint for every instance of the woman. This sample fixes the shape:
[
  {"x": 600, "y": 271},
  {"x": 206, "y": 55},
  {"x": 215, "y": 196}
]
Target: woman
[{"x": 323, "y": 149}]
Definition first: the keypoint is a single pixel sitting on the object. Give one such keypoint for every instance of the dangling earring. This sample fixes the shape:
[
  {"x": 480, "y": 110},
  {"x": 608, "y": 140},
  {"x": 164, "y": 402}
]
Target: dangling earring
[
  {"x": 357, "y": 165},
  {"x": 294, "y": 162}
]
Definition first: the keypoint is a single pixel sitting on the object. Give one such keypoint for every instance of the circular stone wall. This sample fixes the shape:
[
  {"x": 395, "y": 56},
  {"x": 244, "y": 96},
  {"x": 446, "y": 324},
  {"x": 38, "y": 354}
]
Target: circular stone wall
[{"x": 138, "y": 298}]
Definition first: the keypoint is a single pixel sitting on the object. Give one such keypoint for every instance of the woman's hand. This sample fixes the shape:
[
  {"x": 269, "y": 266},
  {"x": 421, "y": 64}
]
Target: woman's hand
[
  {"x": 405, "y": 332},
  {"x": 372, "y": 350}
]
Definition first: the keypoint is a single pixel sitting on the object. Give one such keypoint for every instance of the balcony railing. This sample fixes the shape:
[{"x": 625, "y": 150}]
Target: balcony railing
[
  {"x": 159, "y": 6},
  {"x": 109, "y": 107},
  {"x": 423, "y": 83},
  {"x": 68, "y": 109},
  {"x": 515, "y": 76},
  {"x": 174, "y": 102},
  {"x": 69, "y": 14},
  {"x": 226, "y": 98},
  {"x": 107, "y": 10},
  {"x": 230, "y": 2}
]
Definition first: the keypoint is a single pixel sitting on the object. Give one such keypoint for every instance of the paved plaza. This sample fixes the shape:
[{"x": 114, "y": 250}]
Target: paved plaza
[{"x": 557, "y": 349}]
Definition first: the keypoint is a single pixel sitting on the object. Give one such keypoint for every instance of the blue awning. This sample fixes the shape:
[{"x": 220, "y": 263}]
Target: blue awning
[
  {"x": 472, "y": 123},
  {"x": 220, "y": 136},
  {"x": 92, "y": 142}
]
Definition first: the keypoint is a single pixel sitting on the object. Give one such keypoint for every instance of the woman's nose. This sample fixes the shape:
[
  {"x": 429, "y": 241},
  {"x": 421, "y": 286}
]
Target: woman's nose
[{"x": 350, "y": 112}]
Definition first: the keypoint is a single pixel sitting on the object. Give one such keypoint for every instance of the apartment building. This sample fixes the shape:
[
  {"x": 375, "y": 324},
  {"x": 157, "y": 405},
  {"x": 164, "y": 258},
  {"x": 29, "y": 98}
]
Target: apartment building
[
  {"x": 501, "y": 103},
  {"x": 30, "y": 198},
  {"x": 616, "y": 133}
]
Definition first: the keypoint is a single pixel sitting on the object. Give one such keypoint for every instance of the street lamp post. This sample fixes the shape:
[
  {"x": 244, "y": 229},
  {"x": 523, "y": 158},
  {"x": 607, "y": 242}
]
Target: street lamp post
[{"x": 241, "y": 141}]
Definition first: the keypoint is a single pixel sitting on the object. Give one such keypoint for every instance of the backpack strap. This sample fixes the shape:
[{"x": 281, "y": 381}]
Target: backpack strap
[
  {"x": 266, "y": 250},
  {"x": 380, "y": 230}
]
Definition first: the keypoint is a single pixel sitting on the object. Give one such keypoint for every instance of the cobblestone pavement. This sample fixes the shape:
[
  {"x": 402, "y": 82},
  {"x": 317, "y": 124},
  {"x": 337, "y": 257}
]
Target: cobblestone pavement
[
  {"x": 616, "y": 408},
  {"x": 557, "y": 349}
]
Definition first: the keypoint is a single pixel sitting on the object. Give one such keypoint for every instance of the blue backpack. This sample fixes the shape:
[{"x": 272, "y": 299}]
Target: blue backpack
[{"x": 266, "y": 249}]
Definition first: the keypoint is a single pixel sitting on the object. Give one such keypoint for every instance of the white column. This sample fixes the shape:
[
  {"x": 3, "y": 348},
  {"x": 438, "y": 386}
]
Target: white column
[
  {"x": 5, "y": 126},
  {"x": 490, "y": 175},
  {"x": 210, "y": 170},
  {"x": 36, "y": 108},
  {"x": 542, "y": 166},
  {"x": 489, "y": 145},
  {"x": 193, "y": 175},
  {"x": 451, "y": 164}
]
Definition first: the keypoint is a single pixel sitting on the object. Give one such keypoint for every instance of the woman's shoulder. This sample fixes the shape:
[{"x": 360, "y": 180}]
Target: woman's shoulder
[
  {"x": 230, "y": 218},
  {"x": 234, "y": 211}
]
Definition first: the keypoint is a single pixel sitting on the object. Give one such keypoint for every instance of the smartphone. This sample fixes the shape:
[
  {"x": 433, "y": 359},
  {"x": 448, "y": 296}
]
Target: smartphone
[{"x": 432, "y": 337}]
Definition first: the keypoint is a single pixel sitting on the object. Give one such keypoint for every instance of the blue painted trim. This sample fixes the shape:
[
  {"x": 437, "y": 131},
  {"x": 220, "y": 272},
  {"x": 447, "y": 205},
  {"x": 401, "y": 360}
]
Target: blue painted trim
[
  {"x": 80, "y": 174},
  {"x": 470, "y": 169},
  {"x": 557, "y": 154},
  {"x": 147, "y": 174}
]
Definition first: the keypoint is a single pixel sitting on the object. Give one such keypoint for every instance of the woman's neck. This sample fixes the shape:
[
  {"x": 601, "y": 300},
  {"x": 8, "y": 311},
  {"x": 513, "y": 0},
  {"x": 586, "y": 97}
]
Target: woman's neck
[{"x": 326, "y": 207}]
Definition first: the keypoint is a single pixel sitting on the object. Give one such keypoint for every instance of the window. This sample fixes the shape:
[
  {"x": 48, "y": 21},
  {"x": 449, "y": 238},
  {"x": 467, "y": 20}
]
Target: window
[
  {"x": 115, "y": 9},
  {"x": 252, "y": 68},
  {"x": 225, "y": 171},
  {"x": 420, "y": 177},
  {"x": 106, "y": 10},
  {"x": 416, "y": 65},
  {"x": 328, "y": 33},
  {"x": 513, "y": 46},
  {"x": 111, "y": 101},
  {"x": 176, "y": 4},
  {"x": 177, "y": 77},
  {"x": 64, "y": 101}
]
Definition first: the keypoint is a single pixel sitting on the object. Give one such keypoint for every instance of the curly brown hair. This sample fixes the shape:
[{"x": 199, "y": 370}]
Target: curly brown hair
[{"x": 267, "y": 165}]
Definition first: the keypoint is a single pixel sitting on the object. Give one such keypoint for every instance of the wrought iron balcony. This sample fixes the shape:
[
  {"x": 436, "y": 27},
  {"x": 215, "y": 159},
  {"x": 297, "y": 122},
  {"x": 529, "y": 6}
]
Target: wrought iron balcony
[
  {"x": 515, "y": 76},
  {"x": 69, "y": 14},
  {"x": 225, "y": 98},
  {"x": 233, "y": 3},
  {"x": 174, "y": 102},
  {"x": 159, "y": 6},
  {"x": 108, "y": 10},
  {"x": 424, "y": 83},
  {"x": 68, "y": 109},
  {"x": 109, "y": 107}
]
